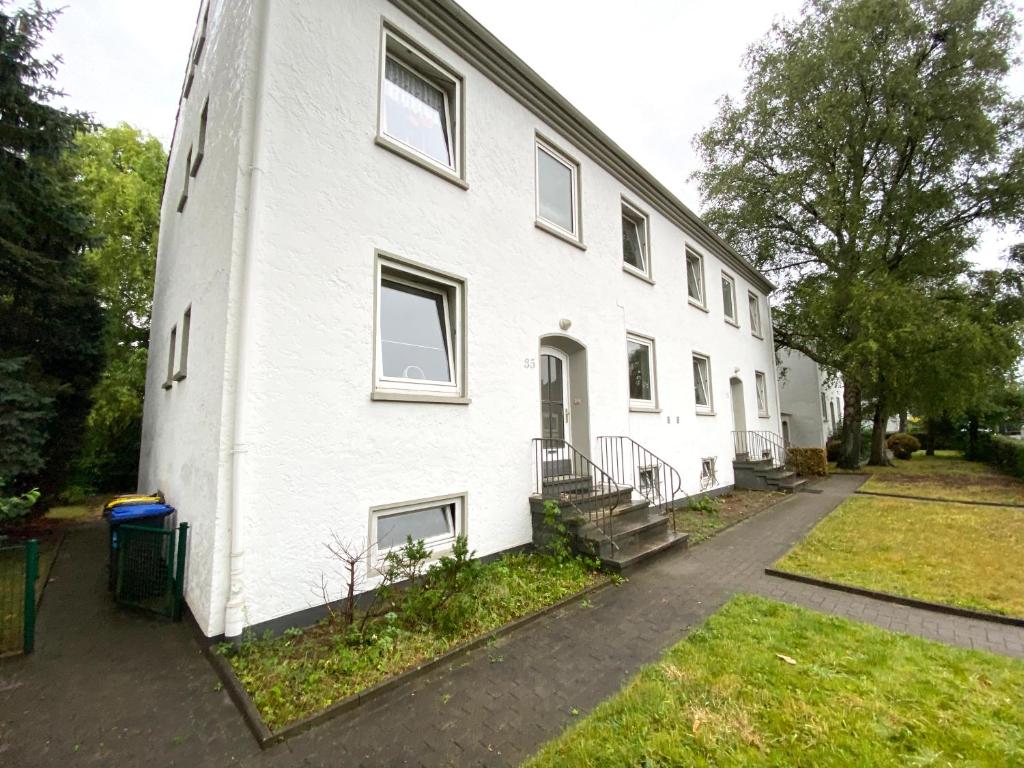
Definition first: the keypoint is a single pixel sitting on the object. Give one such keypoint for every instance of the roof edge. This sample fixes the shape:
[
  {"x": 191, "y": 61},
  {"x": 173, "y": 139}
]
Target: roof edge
[{"x": 456, "y": 28}]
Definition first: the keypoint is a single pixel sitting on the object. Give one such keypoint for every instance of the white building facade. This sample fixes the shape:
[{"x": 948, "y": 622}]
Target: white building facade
[
  {"x": 390, "y": 258},
  {"x": 811, "y": 400}
]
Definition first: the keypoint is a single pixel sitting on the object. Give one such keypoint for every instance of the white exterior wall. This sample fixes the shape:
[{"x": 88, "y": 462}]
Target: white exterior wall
[
  {"x": 319, "y": 452},
  {"x": 801, "y": 385},
  {"x": 184, "y": 448}
]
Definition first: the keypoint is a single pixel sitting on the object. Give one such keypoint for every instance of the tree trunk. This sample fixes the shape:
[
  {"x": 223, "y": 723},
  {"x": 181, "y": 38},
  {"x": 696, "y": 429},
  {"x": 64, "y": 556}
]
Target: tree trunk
[
  {"x": 973, "y": 428},
  {"x": 879, "y": 457},
  {"x": 849, "y": 453},
  {"x": 930, "y": 440},
  {"x": 903, "y": 421}
]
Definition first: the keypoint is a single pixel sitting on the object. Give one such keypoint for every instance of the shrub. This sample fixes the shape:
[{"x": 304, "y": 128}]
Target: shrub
[
  {"x": 832, "y": 449},
  {"x": 1002, "y": 452},
  {"x": 903, "y": 445},
  {"x": 17, "y": 506},
  {"x": 704, "y": 504},
  {"x": 807, "y": 461}
]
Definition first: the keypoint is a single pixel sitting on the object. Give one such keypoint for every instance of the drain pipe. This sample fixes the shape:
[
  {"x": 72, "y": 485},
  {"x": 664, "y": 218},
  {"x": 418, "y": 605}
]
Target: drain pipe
[{"x": 241, "y": 305}]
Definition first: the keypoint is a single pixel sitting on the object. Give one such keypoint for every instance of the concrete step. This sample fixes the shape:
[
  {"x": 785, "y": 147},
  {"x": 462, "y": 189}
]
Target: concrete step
[
  {"x": 605, "y": 537},
  {"x": 793, "y": 485},
  {"x": 634, "y": 553},
  {"x": 553, "y": 486}
]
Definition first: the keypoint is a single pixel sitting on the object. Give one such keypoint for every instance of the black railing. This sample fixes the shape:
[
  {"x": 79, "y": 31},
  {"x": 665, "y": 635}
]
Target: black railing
[
  {"x": 629, "y": 463},
  {"x": 759, "y": 446},
  {"x": 563, "y": 474}
]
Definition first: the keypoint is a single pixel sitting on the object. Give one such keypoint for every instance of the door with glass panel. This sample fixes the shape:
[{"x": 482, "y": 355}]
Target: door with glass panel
[{"x": 554, "y": 411}]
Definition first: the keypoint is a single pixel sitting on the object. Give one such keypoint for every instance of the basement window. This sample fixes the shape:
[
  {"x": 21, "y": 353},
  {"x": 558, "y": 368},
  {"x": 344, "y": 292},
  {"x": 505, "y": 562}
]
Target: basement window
[
  {"x": 640, "y": 360},
  {"x": 420, "y": 107},
  {"x": 635, "y": 245},
  {"x": 419, "y": 333},
  {"x": 761, "y": 387},
  {"x": 702, "y": 383},
  {"x": 436, "y": 522}
]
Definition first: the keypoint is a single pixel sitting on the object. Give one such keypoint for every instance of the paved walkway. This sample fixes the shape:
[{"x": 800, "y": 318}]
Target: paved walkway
[{"x": 110, "y": 688}]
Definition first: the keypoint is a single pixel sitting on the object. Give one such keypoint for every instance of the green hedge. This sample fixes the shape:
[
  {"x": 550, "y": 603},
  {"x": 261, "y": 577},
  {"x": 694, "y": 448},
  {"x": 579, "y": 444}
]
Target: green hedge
[{"x": 1001, "y": 452}]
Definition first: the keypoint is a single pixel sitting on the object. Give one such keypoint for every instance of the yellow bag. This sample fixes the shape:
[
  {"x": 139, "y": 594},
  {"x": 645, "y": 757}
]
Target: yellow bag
[{"x": 134, "y": 498}]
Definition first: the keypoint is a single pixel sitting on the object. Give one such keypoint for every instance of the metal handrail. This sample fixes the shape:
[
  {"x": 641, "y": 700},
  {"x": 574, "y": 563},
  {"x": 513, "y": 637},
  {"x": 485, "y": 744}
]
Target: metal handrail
[
  {"x": 759, "y": 445},
  {"x": 631, "y": 463},
  {"x": 556, "y": 462}
]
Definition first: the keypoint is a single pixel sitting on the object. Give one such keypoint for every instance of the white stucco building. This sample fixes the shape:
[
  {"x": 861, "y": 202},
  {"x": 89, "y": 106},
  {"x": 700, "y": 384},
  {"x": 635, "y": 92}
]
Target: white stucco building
[
  {"x": 811, "y": 400},
  {"x": 391, "y": 257}
]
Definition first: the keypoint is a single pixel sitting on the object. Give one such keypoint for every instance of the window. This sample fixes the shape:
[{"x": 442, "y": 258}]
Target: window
[
  {"x": 708, "y": 475},
  {"x": 650, "y": 482},
  {"x": 197, "y": 53},
  {"x": 201, "y": 150},
  {"x": 420, "y": 107},
  {"x": 824, "y": 409},
  {"x": 635, "y": 246},
  {"x": 186, "y": 324},
  {"x": 755, "y": 314},
  {"x": 640, "y": 359},
  {"x": 761, "y": 386},
  {"x": 170, "y": 358},
  {"x": 419, "y": 332},
  {"x": 557, "y": 191},
  {"x": 184, "y": 190},
  {"x": 695, "y": 277},
  {"x": 729, "y": 298},
  {"x": 437, "y": 522},
  {"x": 702, "y": 383}
]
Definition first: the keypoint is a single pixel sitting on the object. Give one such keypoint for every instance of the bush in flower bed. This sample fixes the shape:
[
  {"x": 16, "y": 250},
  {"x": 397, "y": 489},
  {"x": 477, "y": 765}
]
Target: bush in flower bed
[
  {"x": 438, "y": 608},
  {"x": 809, "y": 462}
]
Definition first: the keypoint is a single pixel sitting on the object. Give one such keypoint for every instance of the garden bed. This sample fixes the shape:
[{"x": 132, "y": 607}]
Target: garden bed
[
  {"x": 961, "y": 555},
  {"x": 702, "y": 520},
  {"x": 767, "y": 684},
  {"x": 294, "y": 677}
]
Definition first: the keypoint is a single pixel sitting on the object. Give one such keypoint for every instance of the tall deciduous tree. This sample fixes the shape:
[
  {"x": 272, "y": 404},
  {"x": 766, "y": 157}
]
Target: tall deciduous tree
[
  {"x": 120, "y": 173},
  {"x": 872, "y": 140},
  {"x": 49, "y": 317}
]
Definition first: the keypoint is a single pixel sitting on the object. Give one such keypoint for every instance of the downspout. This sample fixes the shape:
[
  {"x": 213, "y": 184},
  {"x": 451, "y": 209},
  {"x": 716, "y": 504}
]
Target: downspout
[{"x": 234, "y": 610}]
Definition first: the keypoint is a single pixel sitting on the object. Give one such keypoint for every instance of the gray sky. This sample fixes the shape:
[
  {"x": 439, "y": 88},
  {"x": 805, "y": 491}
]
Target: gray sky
[{"x": 648, "y": 72}]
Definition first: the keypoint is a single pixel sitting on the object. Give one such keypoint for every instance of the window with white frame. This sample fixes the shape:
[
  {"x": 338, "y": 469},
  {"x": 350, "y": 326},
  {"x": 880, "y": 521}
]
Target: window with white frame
[
  {"x": 824, "y": 408},
  {"x": 186, "y": 329},
  {"x": 435, "y": 522},
  {"x": 635, "y": 248},
  {"x": 755, "y": 314},
  {"x": 729, "y": 298},
  {"x": 420, "y": 106},
  {"x": 420, "y": 317},
  {"x": 761, "y": 387},
  {"x": 557, "y": 190},
  {"x": 640, "y": 361},
  {"x": 169, "y": 381},
  {"x": 695, "y": 277},
  {"x": 650, "y": 481},
  {"x": 702, "y": 383}
]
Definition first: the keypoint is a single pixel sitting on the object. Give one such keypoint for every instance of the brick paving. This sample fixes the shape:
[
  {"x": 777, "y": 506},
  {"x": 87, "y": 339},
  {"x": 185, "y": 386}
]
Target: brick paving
[{"x": 112, "y": 688}]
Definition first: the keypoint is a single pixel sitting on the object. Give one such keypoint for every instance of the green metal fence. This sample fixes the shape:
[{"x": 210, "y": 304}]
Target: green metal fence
[
  {"x": 19, "y": 568},
  {"x": 150, "y": 568}
]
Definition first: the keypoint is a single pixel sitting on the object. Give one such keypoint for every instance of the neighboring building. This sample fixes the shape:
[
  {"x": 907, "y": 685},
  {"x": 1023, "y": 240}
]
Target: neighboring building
[
  {"x": 392, "y": 257},
  {"x": 811, "y": 400}
]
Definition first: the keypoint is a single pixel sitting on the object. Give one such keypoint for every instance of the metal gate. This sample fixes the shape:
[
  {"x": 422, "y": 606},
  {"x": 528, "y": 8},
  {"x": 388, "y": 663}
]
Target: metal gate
[
  {"x": 19, "y": 567},
  {"x": 151, "y": 568}
]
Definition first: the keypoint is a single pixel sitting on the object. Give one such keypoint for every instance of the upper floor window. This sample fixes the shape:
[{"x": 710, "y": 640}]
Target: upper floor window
[
  {"x": 419, "y": 331},
  {"x": 755, "y": 314},
  {"x": 186, "y": 330},
  {"x": 201, "y": 142},
  {"x": 184, "y": 187},
  {"x": 169, "y": 380},
  {"x": 640, "y": 359},
  {"x": 824, "y": 409},
  {"x": 761, "y": 387},
  {"x": 695, "y": 277},
  {"x": 729, "y": 298},
  {"x": 635, "y": 248},
  {"x": 420, "y": 107},
  {"x": 197, "y": 52},
  {"x": 557, "y": 191}
]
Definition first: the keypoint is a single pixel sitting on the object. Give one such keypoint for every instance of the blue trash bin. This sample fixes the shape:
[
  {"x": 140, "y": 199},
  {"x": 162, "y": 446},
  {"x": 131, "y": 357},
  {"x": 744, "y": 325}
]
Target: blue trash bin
[{"x": 144, "y": 515}]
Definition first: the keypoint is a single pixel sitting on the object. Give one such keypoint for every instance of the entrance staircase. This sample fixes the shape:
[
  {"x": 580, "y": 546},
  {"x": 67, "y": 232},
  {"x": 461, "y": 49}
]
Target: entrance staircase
[
  {"x": 760, "y": 463},
  {"x": 618, "y": 513}
]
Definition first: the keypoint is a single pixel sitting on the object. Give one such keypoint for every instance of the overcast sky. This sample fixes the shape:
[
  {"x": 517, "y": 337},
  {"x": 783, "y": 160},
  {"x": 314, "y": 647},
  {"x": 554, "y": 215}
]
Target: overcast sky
[{"x": 648, "y": 72}]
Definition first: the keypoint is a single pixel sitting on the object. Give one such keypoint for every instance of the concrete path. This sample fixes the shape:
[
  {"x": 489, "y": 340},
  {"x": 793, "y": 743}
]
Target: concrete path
[{"x": 111, "y": 688}]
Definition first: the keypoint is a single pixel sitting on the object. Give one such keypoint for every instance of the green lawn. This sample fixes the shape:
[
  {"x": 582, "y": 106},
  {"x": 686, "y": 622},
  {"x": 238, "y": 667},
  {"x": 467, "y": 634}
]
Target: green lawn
[
  {"x": 856, "y": 696},
  {"x": 303, "y": 672},
  {"x": 958, "y": 554}
]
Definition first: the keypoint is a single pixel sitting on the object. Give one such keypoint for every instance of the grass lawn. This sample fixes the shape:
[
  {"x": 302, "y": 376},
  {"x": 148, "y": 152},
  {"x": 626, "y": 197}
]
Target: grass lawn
[
  {"x": 946, "y": 475},
  {"x": 304, "y": 672},
  {"x": 725, "y": 510},
  {"x": 856, "y": 696},
  {"x": 958, "y": 554}
]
